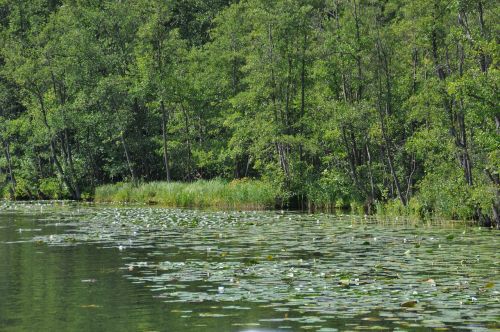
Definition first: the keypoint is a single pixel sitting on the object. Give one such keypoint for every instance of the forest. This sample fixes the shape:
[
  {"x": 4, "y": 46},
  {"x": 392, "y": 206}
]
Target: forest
[{"x": 379, "y": 105}]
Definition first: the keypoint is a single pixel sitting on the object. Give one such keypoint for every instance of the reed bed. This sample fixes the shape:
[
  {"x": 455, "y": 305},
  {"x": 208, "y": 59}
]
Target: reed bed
[{"x": 237, "y": 194}]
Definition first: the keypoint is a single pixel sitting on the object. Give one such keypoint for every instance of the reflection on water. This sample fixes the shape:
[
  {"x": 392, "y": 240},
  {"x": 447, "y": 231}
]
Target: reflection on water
[{"x": 81, "y": 268}]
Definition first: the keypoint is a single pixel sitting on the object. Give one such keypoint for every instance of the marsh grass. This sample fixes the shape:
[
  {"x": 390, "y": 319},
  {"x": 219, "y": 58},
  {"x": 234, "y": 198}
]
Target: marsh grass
[{"x": 237, "y": 194}]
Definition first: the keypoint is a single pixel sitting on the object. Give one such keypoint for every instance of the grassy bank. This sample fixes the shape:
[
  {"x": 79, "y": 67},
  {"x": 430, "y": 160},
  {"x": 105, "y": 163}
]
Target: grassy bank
[
  {"x": 261, "y": 194},
  {"x": 240, "y": 194}
]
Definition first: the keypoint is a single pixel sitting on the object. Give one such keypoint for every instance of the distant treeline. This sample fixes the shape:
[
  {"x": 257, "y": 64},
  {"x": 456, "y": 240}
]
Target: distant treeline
[{"x": 386, "y": 104}]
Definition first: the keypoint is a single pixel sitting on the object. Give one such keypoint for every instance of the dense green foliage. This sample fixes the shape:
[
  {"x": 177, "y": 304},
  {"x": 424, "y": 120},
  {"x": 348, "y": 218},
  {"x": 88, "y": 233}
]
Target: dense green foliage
[{"x": 386, "y": 104}]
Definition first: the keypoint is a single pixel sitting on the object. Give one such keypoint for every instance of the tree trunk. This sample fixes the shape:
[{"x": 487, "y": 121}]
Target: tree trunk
[
  {"x": 350, "y": 158},
  {"x": 483, "y": 59},
  {"x": 409, "y": 181},
  {"x": 462, "y": 143},
  {"x": 391, "y": 161},
  {"x": 370, "y": 173},
  {"x": 249, "y": 161},
  {"x": 127, "y": 156},
  {"x": 53, "y": 150},
  {"x": 303, "y": 78},
  {"x": 59, "y": 90},
  {"x": 71, "y": 166},
  {"x": 9, "y": 168},
  {"x": 164, "y": 120},
  {"x": 282, "y": 153},
  {"x": 382, "y": 114},
  {"x": 495, "y": 180},
  {"x": 188, "y": 143},
  {"x": 359, "y": 91}
]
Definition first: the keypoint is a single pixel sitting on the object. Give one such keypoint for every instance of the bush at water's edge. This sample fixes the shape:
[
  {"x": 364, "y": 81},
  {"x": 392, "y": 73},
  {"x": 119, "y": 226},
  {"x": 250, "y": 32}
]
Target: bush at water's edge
[{"x": 430, "y": 202}]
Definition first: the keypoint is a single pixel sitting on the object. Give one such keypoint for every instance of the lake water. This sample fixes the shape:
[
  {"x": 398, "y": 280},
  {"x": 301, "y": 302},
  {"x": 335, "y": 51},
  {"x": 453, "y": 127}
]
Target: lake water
[{"x": 70, "y": 267}]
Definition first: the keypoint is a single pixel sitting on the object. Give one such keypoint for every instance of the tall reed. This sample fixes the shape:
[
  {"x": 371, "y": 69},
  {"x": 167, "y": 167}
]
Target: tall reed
[{"x": 237, "y": 194}]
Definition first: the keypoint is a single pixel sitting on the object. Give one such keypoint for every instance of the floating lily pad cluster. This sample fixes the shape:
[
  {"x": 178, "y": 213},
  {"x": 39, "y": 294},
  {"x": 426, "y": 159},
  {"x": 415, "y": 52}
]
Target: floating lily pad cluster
[{"x": 310, "y": 268}]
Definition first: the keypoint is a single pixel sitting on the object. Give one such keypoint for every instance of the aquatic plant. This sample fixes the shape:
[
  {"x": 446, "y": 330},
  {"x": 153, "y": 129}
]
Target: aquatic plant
[
  {"x": 307, "y": 270},
  {"x": 240, "y": 194}
]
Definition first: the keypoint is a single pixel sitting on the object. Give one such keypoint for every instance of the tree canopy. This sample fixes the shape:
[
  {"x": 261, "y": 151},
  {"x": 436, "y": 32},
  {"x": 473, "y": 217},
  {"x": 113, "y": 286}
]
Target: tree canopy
[{"x": 385, "y": 104}]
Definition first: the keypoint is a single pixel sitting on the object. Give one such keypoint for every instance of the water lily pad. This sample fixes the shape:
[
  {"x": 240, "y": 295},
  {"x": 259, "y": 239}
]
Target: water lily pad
[
  {"x": 409, "y": 304},
  {"x": 296, "y": 265}
]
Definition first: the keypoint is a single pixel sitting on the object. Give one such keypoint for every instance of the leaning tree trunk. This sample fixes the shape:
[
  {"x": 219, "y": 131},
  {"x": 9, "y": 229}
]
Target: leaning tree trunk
[{"x": 53, "y": 151}]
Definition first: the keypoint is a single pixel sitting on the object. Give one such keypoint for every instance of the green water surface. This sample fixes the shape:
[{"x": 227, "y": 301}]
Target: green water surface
[{"x": 71, "y": 267}]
